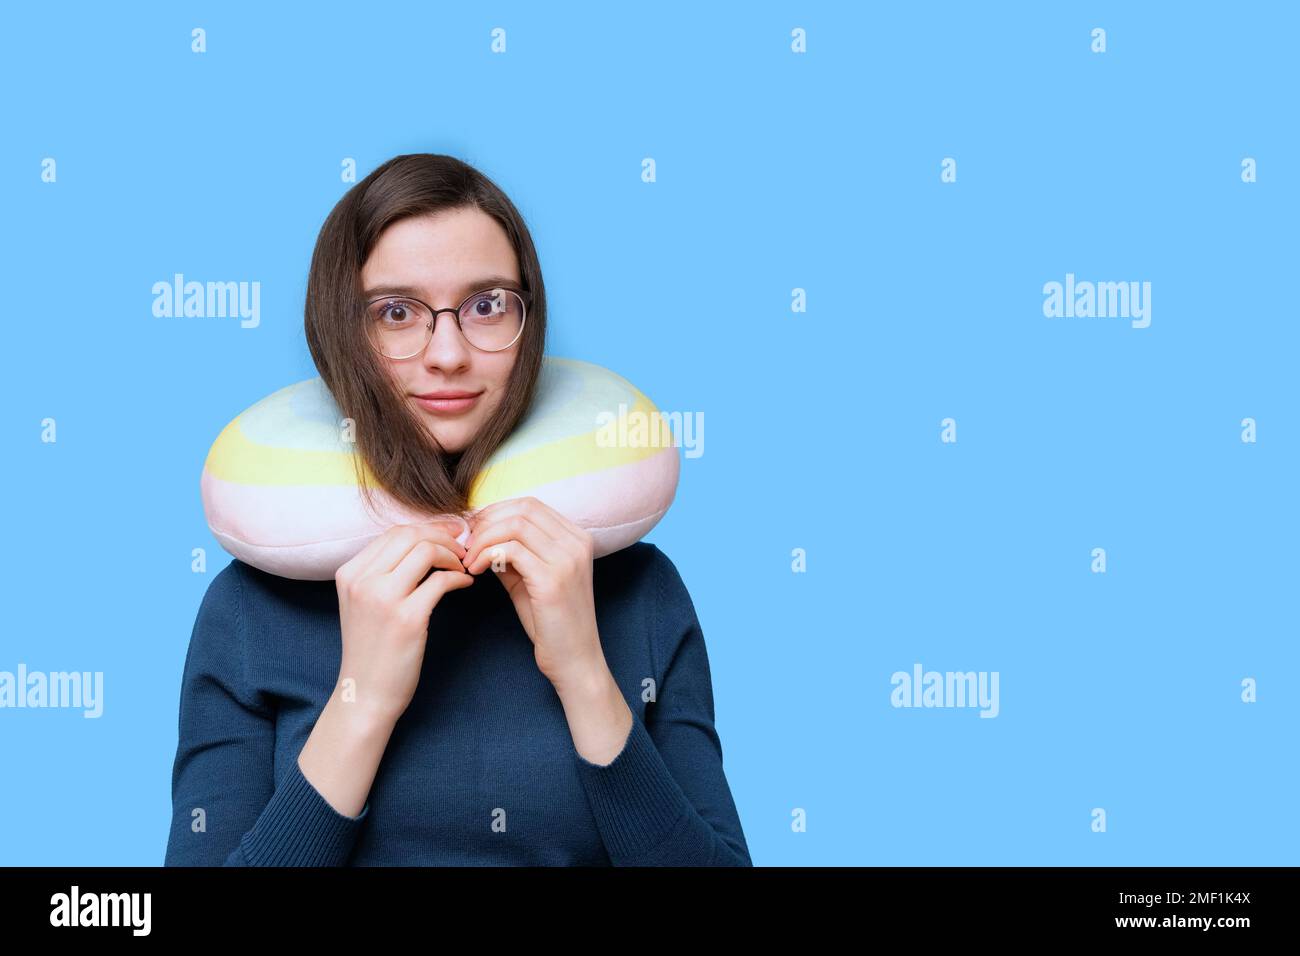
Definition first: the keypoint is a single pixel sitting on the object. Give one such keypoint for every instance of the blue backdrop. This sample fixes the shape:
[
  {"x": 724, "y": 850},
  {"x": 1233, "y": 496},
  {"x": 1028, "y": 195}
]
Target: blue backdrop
[{"x": 805, "y": 275}]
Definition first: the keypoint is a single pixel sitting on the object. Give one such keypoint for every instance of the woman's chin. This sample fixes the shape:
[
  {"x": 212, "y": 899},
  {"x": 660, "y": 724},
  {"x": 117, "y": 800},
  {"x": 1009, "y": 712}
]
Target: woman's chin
[{"x": 449, "y": 440}]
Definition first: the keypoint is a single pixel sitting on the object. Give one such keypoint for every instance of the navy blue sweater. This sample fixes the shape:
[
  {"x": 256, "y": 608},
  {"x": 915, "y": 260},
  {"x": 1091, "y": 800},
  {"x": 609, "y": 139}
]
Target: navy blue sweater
[{"x": 483, "y": 743}]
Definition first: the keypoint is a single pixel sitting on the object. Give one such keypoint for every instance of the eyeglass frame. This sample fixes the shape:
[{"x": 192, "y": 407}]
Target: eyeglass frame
[{"x": 432, "y": 324}]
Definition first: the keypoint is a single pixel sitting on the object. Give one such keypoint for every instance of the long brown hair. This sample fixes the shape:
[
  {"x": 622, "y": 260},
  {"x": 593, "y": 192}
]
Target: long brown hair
[{"x": 394, "y": 450}]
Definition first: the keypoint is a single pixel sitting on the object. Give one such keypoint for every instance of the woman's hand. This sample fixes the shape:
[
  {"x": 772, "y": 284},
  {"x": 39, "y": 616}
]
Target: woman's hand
[
  {"x": 384, "y": 612},
  {"x": 544, "y": 560}
]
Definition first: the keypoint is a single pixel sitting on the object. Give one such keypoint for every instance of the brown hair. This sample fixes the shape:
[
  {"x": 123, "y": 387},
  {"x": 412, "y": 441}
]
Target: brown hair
[{"x": 393, "y": 447}]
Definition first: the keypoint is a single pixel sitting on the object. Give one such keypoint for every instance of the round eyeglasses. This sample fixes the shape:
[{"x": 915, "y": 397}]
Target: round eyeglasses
[{"x": 402, "y": 326}]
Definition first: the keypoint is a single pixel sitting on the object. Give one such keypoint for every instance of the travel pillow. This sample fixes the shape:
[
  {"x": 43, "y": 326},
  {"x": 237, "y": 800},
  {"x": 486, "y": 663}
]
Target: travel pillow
[{"x": 280, "y": 492}]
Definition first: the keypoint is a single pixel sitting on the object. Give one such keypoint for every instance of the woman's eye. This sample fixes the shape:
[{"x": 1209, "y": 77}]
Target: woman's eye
[
  {"x": 393, "y": 312},
  {"x": 487, "y": 307}
]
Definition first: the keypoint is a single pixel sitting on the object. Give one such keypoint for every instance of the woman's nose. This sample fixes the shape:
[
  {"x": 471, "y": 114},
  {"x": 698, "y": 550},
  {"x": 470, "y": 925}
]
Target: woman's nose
[{"x": 447, "y": 347}]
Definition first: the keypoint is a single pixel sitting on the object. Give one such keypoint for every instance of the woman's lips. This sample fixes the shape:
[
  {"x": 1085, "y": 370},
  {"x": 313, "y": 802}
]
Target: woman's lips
[{"x": 447, "y": 406}]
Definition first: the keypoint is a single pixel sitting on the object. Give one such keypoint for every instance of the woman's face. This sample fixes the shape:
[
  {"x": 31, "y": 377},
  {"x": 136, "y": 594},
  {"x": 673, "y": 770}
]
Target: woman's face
[{"x": 444, "y": 258}]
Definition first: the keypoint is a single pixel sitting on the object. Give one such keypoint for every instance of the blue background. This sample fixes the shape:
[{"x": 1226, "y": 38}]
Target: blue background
[{"x": 775, "y": 171}]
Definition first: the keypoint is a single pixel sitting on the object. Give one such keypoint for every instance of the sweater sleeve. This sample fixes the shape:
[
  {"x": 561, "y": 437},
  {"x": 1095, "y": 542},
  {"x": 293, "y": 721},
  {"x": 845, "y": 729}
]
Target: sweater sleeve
[
  {"x": 664, "y": 799},
  {"x": 227, "y": 808}
]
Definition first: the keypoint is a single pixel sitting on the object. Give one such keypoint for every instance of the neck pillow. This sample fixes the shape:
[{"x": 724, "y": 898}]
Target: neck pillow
[{"x": 280, "y": 492}]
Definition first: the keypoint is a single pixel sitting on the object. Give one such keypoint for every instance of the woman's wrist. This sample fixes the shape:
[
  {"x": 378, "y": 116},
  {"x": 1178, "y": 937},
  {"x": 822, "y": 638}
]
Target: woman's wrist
[
  {"x": 343, "y": 751},
  {"x": 583, "y": 679},
  {"x": 362, "y": 714},
  {"x": 598, "y": 715},
  {"x": 360, "y": 721}
]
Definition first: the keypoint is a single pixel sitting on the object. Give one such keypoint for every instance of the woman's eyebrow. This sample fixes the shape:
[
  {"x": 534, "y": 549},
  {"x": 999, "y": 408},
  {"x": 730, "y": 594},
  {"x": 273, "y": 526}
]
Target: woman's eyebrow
[{"x": 466, "y": 288}]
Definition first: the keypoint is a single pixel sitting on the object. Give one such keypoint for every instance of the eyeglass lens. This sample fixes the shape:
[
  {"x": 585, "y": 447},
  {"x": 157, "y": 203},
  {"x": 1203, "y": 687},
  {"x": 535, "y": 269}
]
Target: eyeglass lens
[{"x": 402, "y": 327}]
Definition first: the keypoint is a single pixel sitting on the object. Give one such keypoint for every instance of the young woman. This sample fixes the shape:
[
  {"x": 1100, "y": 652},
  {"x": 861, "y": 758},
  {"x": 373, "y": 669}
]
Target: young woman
[{"x": 418, "y": 709}]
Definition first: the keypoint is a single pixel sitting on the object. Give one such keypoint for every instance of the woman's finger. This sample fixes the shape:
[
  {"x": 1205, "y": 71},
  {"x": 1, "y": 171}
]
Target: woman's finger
[
  {"x": 518, "y": 527},
  {"x": 428, "y": 594},
  {"x": 529, "y": 507},
  {"x": 537, "y": 512},
  {"x": 425, "y": 554},
  {"x": 513, "y": 554},
  {"x": 577, "y": 530},
  {"x": 398, "y": 541}
]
